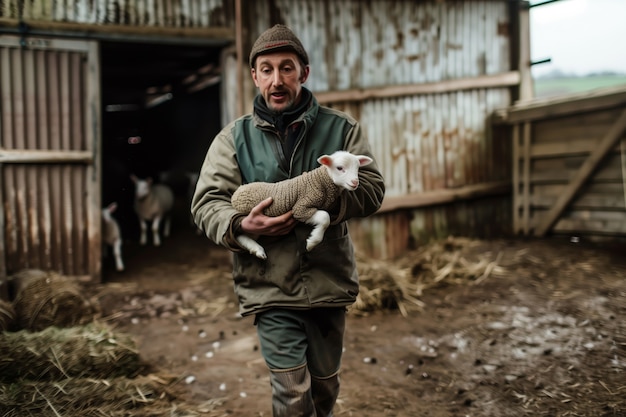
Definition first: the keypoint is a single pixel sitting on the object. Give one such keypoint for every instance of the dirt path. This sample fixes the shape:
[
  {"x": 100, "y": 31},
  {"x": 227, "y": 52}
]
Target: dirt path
[{"x": 546, "y": 337}]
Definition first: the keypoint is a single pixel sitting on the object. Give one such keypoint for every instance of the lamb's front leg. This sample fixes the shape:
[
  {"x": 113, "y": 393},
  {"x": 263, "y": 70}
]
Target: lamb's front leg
[
  {"x": 117, "y": 251},
  {"x": 156, "y": 239},
  {"x": 320, "y": 220},
  {"x": 144, "y": 232}
]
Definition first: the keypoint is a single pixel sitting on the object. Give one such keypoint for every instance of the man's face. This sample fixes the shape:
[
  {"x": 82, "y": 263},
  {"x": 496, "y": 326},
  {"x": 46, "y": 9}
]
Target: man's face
[{"x": 279, "y": 77}]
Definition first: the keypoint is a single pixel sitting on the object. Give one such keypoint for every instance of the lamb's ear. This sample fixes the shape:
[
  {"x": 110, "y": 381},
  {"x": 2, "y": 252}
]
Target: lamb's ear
[
  {"x": 325, "y": 160},
  {"x": 112, "y": 207},
  {"x": 364, "y": 160}
]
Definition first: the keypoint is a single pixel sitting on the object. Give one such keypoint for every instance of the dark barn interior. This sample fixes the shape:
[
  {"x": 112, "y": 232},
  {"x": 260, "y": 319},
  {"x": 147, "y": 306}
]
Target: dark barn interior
[{"x": 161, "y": 108}]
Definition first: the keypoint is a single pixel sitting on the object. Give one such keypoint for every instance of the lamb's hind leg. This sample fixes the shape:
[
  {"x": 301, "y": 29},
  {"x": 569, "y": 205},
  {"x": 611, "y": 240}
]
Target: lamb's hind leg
[
  {"x": 167, "y": 224},
  {"x": 252, "y": 246},
  {"x": 144, "y": 232},
  {"x": 320, "y": 221}
]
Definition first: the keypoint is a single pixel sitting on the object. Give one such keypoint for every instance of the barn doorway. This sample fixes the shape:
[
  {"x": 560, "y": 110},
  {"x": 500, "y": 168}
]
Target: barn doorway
[{"x": 161, "y": 108}]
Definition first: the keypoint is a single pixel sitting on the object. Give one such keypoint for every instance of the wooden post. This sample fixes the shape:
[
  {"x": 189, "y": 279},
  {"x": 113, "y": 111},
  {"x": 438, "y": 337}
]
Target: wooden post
[
  {"x": 240, "y": 67},
  {"x": 526, "y": 88}
]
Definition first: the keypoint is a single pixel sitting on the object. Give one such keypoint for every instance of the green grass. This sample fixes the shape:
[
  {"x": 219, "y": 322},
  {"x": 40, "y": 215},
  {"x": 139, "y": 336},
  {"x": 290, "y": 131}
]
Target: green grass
[{"x": 545, "y": 87}]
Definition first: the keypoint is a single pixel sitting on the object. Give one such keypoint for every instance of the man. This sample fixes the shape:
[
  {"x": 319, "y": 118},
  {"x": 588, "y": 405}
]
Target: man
[{"x": 299, "y": 298}]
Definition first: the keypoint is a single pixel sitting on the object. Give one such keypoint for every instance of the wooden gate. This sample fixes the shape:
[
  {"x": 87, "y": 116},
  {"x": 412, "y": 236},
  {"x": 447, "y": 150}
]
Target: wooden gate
[
  {"x": 49, "y": 156},
  {"x": 569, "y": 165}
]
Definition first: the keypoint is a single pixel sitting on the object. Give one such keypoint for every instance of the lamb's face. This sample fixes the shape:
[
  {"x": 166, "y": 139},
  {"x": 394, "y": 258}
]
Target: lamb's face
[
  {"x": 142, "y": 188},
  {"x": 343, "y": 168}
]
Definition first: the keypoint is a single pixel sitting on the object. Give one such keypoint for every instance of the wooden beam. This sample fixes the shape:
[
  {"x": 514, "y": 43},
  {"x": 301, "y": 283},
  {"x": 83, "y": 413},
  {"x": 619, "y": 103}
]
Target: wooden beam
[
  {"x": 207, "y": 35},
  {"x": 586, "y": 170},
  {"x": 241, "y": 106},
  {"x": 526, "y": 133},
  {"x": 48, "y": 157},
  {"x": 517, "y": 224},
  {"x": 526, "y": 88},
  {"x": 438, "y": 197},
  {"x": 506, "y": 79},
  {"x": 545, "y": 108}
]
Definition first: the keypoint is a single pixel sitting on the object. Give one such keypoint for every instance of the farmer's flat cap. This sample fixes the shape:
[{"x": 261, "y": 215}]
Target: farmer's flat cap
[{"x": 276, "y": 38}]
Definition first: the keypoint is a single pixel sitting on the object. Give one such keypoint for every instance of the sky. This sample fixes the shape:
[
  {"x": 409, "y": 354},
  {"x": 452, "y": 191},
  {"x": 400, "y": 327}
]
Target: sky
[{"x": 580, "y": 36}]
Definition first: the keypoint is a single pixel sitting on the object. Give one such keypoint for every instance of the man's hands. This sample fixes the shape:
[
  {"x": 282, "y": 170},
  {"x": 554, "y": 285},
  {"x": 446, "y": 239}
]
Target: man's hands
[{"x": 257, "y": 223}]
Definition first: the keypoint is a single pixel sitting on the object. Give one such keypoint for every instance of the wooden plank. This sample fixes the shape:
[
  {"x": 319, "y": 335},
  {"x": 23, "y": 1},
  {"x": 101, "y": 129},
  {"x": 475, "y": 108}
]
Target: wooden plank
[
  {"x": 93, "y": 172},
  {"x": 209, "y": 35},
  {"x": 526, "y": 178},
  {"x": 432, "y": 198},
  {"x": 526, "y": 89},
  {"x": 42, "y": 156},
  {"x": 608, "y": 142},
  {"x": 561, "y": 149},
  {"x": 563, "y": 170},
  {"x": 585, "y": 226},
  {"x": 597, "y": 196},
  {"x": 516, "y": 180},
  {"x": 507, "y": 79},
  {"x": 538, "y": 109},
  {"x": 575, "y": 127}
]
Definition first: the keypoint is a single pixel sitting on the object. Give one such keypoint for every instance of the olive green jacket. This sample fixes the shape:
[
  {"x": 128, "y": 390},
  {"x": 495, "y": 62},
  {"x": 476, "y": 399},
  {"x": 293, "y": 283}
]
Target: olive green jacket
[{"x": 249, "y": 150}]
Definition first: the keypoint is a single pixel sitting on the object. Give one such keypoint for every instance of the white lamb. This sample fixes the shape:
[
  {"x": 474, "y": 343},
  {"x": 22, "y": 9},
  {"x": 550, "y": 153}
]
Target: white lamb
[
  {"x": 153, "y": 202},
  {"x": 308, "y": 195},
  {"x": 112, "y": 235}
]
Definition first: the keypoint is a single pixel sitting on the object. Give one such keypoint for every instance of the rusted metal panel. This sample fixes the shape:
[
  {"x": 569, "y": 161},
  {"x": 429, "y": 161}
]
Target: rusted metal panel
[
  {"x": 165, "y": 13},
  {"x": 435, "y": 142},
  {"x": 50, "y": 211},
  {"x": 423, "y": 142},
  {"x": 358, "y": 44}
]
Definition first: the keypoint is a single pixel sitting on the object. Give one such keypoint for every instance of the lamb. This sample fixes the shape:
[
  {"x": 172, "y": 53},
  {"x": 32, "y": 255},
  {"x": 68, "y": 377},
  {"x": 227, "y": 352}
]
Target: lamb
[
  {"x": 153, "y": 202},
  {"x": 308, "y": 195},
  {"x": 112, "y": 235}
]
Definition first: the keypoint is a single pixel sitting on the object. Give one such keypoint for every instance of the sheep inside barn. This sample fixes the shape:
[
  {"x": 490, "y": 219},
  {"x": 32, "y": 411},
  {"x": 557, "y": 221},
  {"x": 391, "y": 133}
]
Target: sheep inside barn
[
  {"x": 153, "y": 203},
  {"x": 112, "y": 235},
  {"x": 308, "y": 195}
]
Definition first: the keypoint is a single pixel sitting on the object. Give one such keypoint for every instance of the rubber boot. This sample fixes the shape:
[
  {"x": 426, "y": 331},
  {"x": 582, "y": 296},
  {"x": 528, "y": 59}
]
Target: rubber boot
[
  {"x": 325, "y": 392},
  {"x": 291, "y": 393}
]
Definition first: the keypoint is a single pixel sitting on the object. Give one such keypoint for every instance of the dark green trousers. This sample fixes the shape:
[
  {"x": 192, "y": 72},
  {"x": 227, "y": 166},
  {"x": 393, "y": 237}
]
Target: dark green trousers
[
  {"x": 303, "y": 350},
  {"x": 292, "y": 338}
]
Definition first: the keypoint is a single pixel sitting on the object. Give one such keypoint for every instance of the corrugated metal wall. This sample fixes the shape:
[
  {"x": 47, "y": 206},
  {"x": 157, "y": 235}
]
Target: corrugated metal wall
[
  {"x": 428, "y": 142},
  {"x": 163, "y": 13},
  {"x": 423, "y": 142},
  {"x": 49, "y": 134}
]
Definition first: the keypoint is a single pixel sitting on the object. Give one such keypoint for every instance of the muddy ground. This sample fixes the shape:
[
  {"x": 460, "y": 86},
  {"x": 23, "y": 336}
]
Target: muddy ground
[{"x": 543, "y": 334}]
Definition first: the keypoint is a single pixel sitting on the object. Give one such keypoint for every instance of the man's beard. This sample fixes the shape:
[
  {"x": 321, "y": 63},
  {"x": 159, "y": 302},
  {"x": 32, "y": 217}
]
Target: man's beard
[{"x": 289, "y": 105}]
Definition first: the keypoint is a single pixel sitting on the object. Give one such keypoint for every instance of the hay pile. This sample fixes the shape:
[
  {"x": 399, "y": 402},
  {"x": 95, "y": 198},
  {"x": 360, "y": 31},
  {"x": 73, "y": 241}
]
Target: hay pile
[
  {"x": 399, "y": 284},
  {"x": 145, "y": 396},
  {"x": 57, "y": 360},
  {"x": 82, "y": 371},
  {"x": 93, "y": 350},
  {"x": 8, "y": 321},
  {"x": 47, "y": 299}
]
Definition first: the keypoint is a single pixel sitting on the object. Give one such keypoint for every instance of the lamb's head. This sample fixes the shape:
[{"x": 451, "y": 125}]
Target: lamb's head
[
  {"x": 108, "y": 210},
  {"x": 343, "y": 168},
  {"x": 142, "y": 186}
]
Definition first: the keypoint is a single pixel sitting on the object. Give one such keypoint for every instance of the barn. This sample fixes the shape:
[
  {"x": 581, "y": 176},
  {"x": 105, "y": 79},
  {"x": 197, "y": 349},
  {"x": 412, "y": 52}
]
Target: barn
[{"x": 91, "y": 91}]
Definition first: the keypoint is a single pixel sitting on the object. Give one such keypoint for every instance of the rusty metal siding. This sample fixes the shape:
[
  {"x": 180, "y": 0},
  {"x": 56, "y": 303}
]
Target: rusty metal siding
[
  {"x": 433, "y": 142},
  {"x": 424, "y": 142},
  {"x": 161, "y": 13},
  {"x": 356, "y": 44},
  {"x": 47, "y": 198}
]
